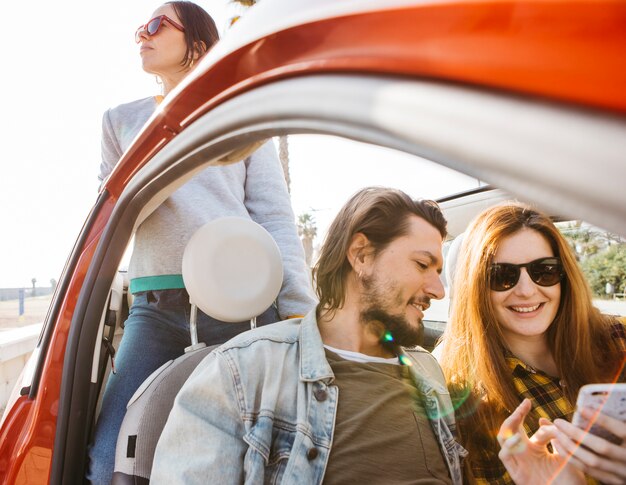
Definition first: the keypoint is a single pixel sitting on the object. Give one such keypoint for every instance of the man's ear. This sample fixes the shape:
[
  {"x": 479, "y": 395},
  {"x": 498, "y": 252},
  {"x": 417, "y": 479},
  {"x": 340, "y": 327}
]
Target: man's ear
[{"x": 359, "y": 251}]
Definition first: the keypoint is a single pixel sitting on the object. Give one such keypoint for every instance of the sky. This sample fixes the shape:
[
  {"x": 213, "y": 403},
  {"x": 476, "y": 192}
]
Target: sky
[{"x": 65, "y": 63}]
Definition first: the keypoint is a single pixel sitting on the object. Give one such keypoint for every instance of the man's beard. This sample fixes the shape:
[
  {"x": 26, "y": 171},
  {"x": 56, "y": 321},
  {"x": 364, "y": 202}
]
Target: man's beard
[{"x": 394, "y": 329}]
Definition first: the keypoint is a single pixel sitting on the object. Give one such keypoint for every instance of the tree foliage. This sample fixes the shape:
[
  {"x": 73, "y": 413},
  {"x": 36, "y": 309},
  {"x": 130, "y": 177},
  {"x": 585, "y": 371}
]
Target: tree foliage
[
  {"x": 601, "y": 254},
  {"x": 306, "y": 225},
  {"x": 307, "y": 230},
  {"x": 607, "y": 266}
]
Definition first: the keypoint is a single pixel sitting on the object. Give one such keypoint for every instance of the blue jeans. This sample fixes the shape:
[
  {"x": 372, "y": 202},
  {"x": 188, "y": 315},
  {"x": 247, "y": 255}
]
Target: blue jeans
[{"x": 156, "y": 331}]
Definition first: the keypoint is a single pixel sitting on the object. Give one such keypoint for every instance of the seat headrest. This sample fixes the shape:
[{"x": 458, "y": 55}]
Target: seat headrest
[
  {"x": 452, "y": 259},
  {"x": 232, "y": 269}
]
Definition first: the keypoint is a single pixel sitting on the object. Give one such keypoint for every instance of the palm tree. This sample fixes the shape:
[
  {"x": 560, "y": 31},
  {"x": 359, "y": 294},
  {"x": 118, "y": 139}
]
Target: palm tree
[
  {"x": 283, "y": 156},
  {"x": 283, "y": 145},
  {"x": 307, "y": 230}
]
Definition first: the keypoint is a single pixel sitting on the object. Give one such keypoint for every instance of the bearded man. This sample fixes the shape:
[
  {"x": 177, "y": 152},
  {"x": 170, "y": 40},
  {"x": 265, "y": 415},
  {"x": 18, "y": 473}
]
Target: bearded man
[{"x": 341, "y": 395}]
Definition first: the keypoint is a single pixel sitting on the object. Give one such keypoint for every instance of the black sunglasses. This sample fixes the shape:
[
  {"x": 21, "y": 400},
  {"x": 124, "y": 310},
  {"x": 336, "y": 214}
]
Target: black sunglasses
[{"x": 544, "y": 272}]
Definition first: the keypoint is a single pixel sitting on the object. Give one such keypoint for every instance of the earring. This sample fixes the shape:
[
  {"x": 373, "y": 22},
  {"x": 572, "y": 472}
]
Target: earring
[{"x": 360, "y": 273}]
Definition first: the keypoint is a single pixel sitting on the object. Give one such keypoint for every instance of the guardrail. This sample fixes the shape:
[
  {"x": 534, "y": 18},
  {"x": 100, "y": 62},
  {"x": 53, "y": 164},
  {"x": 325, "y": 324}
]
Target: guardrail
[{"x": 16, "y": 345}]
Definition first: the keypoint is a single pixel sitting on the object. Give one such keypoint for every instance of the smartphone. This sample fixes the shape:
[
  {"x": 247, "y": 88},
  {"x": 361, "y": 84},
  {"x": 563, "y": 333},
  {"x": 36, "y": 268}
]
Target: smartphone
[{"x": 610, "y": 399}]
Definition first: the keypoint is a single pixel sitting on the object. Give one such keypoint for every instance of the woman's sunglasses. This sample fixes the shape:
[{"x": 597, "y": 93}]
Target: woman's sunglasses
[
  {"x": 544, "y": 272},
  {"x": 153, "y": 26}
]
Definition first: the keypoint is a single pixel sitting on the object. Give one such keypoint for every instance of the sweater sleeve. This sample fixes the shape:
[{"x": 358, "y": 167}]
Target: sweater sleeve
[
  {"x": 268, "y": 203},
  {"x": 111, "y": 150}
]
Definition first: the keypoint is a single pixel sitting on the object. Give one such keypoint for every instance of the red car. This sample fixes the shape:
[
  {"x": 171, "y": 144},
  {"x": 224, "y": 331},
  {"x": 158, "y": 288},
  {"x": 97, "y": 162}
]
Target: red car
[{"x": 526, "y": 95}]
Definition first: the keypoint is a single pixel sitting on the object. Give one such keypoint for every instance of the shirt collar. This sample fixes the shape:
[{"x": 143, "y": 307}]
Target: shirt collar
[
  {"x": 515, "y": 362},
  {"x": 313, "y": 363}
]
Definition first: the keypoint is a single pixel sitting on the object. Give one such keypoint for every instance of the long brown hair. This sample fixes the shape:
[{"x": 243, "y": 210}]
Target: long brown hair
[
  {"x": 381, "y": 214},
  {"x": 200, "y": 30},
  {"x": 473, "y": 346}
]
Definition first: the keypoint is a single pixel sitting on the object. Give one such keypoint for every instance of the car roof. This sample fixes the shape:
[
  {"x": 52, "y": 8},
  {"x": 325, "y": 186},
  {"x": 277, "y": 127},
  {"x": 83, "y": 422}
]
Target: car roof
[{"x": 560, "y": 51}]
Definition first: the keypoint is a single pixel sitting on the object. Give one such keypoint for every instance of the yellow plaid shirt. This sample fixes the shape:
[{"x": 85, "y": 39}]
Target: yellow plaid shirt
[{"x": 546, "y": 394}]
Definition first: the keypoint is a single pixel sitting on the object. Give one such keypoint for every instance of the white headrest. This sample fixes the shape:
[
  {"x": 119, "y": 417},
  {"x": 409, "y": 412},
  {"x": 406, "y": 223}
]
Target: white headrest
[
  {"x": 232, "y": 269},
  {"x": 452, "y": 259}
]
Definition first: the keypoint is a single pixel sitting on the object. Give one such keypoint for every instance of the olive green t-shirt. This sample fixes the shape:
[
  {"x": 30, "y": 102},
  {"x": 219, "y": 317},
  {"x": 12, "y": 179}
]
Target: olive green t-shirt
[{"x": 382, "y": 434}]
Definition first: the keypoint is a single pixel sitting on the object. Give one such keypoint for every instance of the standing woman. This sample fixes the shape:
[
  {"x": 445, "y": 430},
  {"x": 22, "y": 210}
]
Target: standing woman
[
  {"x": 523, "y": 329},
  {"x": 157, "y": 329}
]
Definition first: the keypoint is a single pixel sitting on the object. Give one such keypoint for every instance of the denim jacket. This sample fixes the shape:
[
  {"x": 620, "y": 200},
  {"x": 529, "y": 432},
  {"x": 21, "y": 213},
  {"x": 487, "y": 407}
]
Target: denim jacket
[{"x": 261, "y": 409}]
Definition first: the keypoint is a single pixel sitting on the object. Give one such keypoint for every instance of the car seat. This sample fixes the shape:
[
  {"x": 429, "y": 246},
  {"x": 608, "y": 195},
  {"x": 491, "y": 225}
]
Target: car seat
[
  {"x": 146, "y": 415},
  {"x": 232, "y": 270},
  {"x": 452, "y": 258}
]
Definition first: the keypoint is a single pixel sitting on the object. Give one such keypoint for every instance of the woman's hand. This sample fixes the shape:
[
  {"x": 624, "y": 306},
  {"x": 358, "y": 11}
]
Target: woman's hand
[
  {"x": 528, "y": 460},
  {"x": 598, "y": 457}
]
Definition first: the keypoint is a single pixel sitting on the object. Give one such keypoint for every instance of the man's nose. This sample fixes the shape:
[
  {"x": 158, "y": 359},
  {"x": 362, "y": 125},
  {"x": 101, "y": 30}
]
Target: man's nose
[{"x": 435, "y": 288}]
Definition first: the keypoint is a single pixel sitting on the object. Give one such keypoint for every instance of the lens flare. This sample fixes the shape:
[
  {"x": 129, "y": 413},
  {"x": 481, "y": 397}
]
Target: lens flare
[
  {"x": 515, "y": 444},
  {"x": 459, "y": 398}
]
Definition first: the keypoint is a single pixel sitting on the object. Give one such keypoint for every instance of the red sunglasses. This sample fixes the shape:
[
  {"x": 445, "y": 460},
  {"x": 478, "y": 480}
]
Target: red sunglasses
[{"x": 153, "y": 26}]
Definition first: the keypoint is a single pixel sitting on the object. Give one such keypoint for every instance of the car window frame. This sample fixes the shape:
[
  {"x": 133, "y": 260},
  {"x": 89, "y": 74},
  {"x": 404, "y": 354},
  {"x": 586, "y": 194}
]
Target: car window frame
[{"x": 283, "y": 107}]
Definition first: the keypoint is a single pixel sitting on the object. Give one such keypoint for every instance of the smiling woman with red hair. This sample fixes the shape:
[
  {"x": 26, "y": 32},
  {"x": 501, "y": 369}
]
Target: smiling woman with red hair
[{"x": 523, "y": 329}]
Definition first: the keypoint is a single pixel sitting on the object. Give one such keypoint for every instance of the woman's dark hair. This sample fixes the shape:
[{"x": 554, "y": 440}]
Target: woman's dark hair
[{"x": 200, "y": 30}]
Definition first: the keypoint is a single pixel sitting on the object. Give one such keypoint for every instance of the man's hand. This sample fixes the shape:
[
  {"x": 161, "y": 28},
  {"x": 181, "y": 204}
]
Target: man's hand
[
  {"x": 598, "y": 457},
  {"x": 528, "y": 460}
]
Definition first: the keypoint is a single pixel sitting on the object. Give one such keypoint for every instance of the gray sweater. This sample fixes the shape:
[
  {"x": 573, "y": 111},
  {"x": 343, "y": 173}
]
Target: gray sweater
[{"x": 254, "y": 188}]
